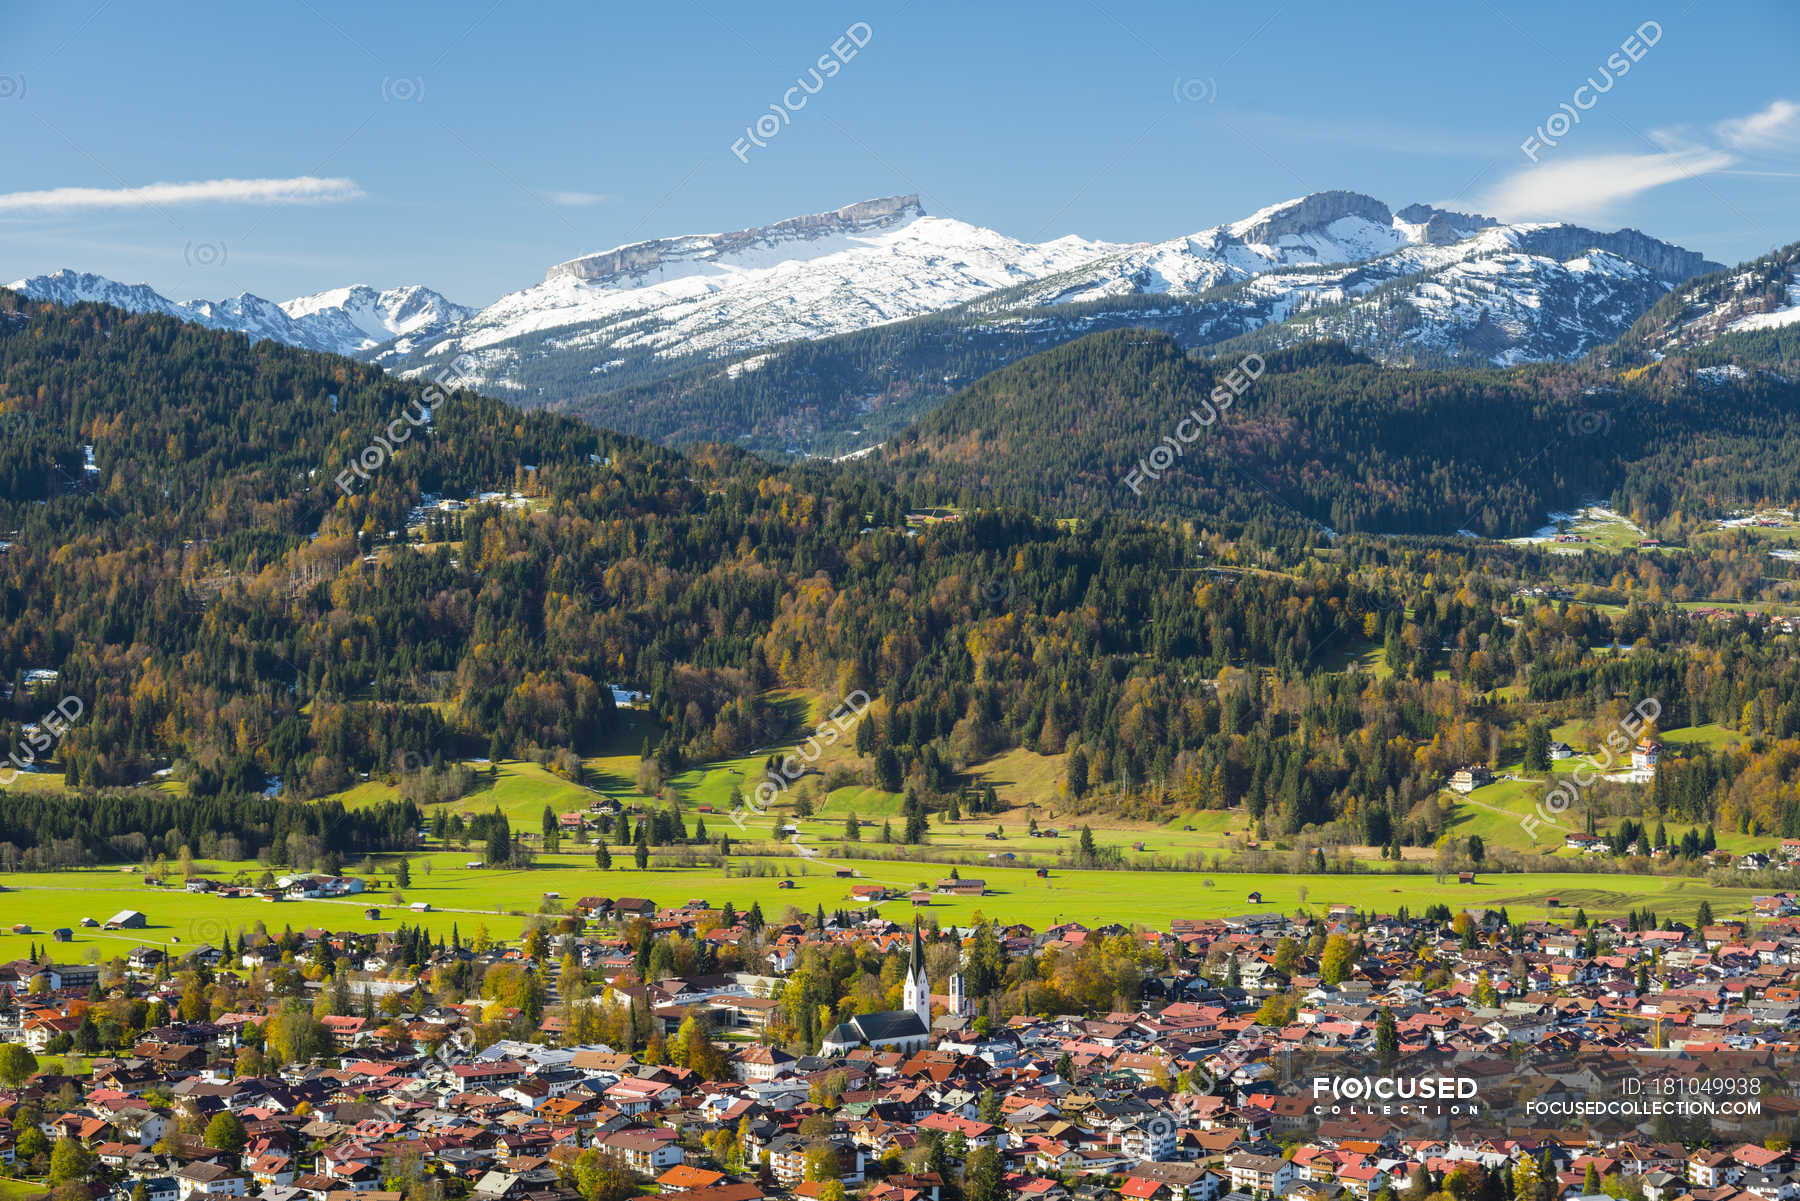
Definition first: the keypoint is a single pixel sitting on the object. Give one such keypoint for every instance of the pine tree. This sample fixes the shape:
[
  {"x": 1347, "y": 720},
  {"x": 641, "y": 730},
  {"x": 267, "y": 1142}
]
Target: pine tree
[
  {"x": 1387, "y": 1040},
  {"x": 916, "y": 825},
  {"x": 1077, "y": 773},
  {"x": 1537, "y": 746}
]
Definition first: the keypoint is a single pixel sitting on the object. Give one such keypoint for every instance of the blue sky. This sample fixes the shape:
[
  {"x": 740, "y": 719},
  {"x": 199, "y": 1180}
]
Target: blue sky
[{"x": 470, "y": 145}]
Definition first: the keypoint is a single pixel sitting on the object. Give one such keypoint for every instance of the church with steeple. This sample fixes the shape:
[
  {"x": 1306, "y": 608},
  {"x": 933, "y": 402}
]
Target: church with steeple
[{"x": 906, "y": 1029}]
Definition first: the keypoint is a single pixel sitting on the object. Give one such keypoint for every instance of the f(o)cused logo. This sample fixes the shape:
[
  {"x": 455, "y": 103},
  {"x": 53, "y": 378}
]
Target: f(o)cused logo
[
  {"x": 1588, "y": 422},
  {"x": 207, "y": 930},
  {"x": 402, "y": 89},
  {"x": 204, "y": 254},
  {"x": 1196, "y": 91}
]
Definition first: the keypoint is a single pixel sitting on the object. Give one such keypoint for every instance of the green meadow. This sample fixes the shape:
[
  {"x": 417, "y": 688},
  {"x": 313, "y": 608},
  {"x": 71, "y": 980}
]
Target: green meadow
[
  {"x": 779, "y": 873},
  {"x": 502, "y": 900}
]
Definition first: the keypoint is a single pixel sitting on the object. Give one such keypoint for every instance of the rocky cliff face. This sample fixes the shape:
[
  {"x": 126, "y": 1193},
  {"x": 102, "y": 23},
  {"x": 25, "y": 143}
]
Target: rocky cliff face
[
  {"x": 1442, "y": 226},
  {"x": 1309, "y": 214},
  {"x": 1671, "y": 264},
  {"x": 631, "y": 264}
]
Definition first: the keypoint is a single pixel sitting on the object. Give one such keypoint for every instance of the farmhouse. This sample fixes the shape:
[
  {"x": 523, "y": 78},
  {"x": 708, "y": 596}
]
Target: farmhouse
[
  {"x": 309, "y": 885},
  {"x": 1468, "y": 779}
]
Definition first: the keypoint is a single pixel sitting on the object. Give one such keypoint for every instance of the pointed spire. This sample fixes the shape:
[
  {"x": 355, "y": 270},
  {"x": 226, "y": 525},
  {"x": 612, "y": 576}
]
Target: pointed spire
[{"x": 917, "y": 993}]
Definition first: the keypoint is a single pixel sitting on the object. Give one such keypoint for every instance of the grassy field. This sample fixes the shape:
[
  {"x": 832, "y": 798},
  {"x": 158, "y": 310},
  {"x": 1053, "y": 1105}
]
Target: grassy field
[
  {"x": 1712, "y": 736},
  {"x": 471, "y": 898},
  {"x": 777, "y": 875},
  {"x": 1510, "y": 811},
  {"x": 1601, "y": 529}
]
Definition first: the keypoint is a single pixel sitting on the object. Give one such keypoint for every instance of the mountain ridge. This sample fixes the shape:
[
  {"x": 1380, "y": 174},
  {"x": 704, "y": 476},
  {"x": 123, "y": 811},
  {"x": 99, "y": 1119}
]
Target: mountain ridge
[
  {"x": 744, "y": 300},
  {"x": 638, "y": 258},
  {"x": 609, "y": 334},
  {"x": 343, "y": 321}
]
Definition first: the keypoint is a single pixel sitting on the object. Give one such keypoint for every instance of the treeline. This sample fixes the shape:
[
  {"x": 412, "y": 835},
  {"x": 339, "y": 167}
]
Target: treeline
[{"x": 74, "y": 829}]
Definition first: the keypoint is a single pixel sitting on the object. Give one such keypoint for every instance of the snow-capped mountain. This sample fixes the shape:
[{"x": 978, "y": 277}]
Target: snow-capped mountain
[
  {"x": 685, "y": 337},
  {"x": 342, "y": 321},
  {"x": 1421, "y": 284},
  {"x": 603, "y": 318},
  {"x": 1502, "y": 309},
  {"x": 73, "y": 287},
  {"x": 1505, "y": 295},
  {"x": 398, "y": 315},
  {"x": 1326, "y": 228},
  {"x": 641, "y": 310},
  {"x": 1438, "y": 288}
]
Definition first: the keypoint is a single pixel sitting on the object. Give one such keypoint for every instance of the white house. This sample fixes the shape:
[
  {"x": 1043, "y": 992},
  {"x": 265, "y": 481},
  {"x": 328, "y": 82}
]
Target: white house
[
  {"x": 209, "y": 1180},
  {"x": 1261, "y": 1175}
]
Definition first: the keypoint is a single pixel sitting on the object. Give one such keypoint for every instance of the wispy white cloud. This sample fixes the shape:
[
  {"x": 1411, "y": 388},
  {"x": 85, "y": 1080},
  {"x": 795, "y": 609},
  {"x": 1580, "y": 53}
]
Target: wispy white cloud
[
  {"x": 1774, "y": 128},
  {"x": 580, "y": 199},
  {"x": 1593, "y": 186},
  {"x": 302, "y": 189}
]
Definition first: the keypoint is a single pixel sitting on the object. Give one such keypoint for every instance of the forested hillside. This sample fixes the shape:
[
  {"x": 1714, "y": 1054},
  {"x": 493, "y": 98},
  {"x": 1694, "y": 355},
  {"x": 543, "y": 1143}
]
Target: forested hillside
[
  {"x": 1341, "y": 442},
  {"x": 222, "y": 609}
]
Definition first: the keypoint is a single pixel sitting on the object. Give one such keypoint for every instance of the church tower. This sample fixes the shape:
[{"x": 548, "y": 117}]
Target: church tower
[
  {"x": 959, "y": 997},
  {"x": 917, "y": 995}
]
